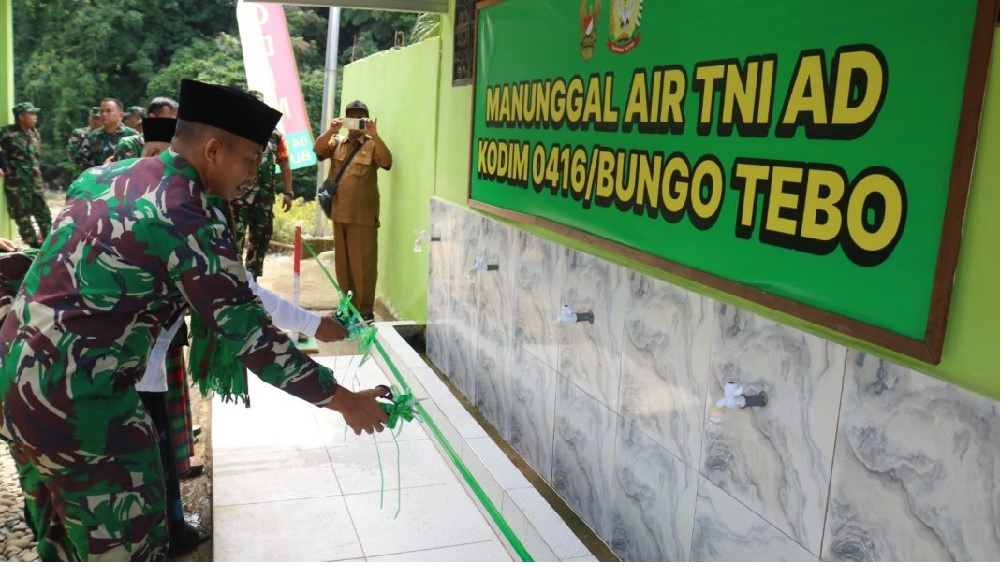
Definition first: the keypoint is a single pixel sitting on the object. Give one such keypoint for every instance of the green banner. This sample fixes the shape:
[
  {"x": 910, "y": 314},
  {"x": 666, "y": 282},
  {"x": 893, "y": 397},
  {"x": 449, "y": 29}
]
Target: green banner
[{"x": 803, "y": 149}]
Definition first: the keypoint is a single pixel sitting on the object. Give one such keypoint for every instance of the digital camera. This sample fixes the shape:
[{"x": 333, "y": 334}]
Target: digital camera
[{"x": 354, "y": 123}]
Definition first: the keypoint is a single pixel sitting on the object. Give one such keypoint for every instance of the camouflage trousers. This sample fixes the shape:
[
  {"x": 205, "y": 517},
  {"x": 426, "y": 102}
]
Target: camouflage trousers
[
  {"x": 23, "y": 204},
  {"x": 255, "y": 220},
  {"x": 95, "y": 507}
]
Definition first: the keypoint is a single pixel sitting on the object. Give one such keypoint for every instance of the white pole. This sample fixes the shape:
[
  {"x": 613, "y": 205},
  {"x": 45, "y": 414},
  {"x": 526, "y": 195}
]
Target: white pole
[{"x": 327, "y": 107}]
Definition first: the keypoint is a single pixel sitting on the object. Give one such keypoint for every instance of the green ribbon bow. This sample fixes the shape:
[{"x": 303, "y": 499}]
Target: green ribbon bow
[{"x": 401, "y": 409}]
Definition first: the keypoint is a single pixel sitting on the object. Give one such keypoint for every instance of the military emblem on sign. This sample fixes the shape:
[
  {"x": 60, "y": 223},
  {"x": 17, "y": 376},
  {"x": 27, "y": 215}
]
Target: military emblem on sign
[
  {"x": 589, "y": 19},
  {"x": 625, "y": 21}
]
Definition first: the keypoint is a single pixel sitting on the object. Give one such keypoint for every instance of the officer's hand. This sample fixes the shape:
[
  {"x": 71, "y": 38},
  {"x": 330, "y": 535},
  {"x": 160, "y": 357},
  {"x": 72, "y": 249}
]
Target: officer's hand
[
  {"x": 1, "y": 173},
  {"x": 360, "y": 409},
  {"x": 109, "y": 160},
  {"x": 7, "y": 245},
  {"x": 330, "y": 330},
  {"x": 336, "y": 125},
  {"x": 287, "y": 202},
  {"x": 371, "y": 127}
]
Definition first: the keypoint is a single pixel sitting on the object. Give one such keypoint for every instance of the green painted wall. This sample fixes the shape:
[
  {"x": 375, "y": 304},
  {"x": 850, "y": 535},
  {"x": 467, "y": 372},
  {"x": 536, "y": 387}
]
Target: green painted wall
[
  {"x": 400, "y": 87},
  {"x": 6, "y": 95},
  {"x": 971, "y": 355},
  {"x": 453, "y": 142}
]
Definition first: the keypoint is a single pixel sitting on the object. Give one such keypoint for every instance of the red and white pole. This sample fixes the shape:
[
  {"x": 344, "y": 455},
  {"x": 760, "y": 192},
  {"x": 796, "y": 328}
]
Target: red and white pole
[{"x": 297, "y": 247}]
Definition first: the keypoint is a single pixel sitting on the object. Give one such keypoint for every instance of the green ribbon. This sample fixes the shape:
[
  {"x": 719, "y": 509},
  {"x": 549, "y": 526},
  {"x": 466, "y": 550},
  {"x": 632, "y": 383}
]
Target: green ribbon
[
  {"x": 213, "y": 365},
  {"x": 402, "y": 409},
  {"x": 424, "y": 417}
]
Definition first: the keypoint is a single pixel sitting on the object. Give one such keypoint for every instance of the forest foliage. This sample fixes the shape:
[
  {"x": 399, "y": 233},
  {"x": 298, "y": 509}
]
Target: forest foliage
[{"x": 70, "y": 54}]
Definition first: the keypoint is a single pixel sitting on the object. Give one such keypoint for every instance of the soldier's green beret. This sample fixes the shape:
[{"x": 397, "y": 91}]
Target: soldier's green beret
[
  {"x": 25, "y": 107},
  {"x": 137, "y": 110},
  {"x": 228, "y": 109}
]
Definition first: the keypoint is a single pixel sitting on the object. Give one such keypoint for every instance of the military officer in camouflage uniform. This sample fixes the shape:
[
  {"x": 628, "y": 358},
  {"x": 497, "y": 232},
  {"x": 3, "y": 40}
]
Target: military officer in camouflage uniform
[
  {"x": 21, "y": 147},
  {"x": 135, "y": 245},
  {"x": 99, "y": 144},
  {"x": 77, "y": 136},
  {"x": 253, "y": 210},
  {"x": 134, "y": 118},
  {"x": 132, "y": 146}
]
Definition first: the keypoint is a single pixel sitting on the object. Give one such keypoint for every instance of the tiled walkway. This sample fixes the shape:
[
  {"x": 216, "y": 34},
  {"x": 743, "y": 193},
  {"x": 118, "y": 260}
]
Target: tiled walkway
[{"x": 291, "y": 483}]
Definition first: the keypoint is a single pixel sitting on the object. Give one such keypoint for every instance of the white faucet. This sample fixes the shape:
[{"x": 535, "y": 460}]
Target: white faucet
[
  {"x": 479, "y": 266},
  {"x": 422, "y": 235},
  {"x": 569, "y": 316},
  {"x": 734, "y": 398}
]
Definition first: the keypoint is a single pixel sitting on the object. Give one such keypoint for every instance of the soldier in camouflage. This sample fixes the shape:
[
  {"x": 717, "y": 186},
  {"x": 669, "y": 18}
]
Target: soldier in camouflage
[
  {"x": 135, "y": 245},
  {"x": 134, "y": 118},
  {"x": 132, "y": 146},
  {"x": 253, "y": 210},
  {"x": 77, "y": 137},
  {"x": 99, "y": 144},
  {"x": 20, "y": 151}
]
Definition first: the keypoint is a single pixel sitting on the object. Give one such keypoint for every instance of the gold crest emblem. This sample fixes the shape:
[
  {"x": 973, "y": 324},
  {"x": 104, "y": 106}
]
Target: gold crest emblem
[
  {"x": 625, "y": 21},
  {"x": 589, "y": 20}
]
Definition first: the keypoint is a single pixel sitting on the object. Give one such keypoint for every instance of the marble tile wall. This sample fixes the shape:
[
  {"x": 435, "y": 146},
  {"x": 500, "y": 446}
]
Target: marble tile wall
[
  {"x": 916, "y": 470},
  {"x": 438, "y": 322},
  {"x": 537, "y": 296},
  {"x": 532, "y": 393},
  {"x": 854, "y": 458},
  {"x": 590, "y": 354},
  {"x": 582, "y": 467},
  {"x": 776, "y": 460}
]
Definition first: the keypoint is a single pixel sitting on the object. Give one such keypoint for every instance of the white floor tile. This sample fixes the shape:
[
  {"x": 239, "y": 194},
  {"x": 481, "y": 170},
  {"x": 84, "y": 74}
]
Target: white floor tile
[
  {"x": 431, "y": 517},
  {"x": 246, "y": 478},
  {"x": 358, "y": 468},
  {"x": 545, "y": 522},
  {"x": 292, "y": 483},
  {"x": 483, "y": 552},
  {"x": 275, "y": 421},
  {"x": 310, "y": 529}
]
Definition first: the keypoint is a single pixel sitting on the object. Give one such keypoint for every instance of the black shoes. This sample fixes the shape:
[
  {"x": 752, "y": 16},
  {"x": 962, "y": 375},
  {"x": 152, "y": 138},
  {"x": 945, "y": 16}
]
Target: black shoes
[{"x": 184, "y": 539}]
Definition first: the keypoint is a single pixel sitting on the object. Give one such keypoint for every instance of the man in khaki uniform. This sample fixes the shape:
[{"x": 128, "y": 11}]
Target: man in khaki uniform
[{"x": 355, "y": 209}]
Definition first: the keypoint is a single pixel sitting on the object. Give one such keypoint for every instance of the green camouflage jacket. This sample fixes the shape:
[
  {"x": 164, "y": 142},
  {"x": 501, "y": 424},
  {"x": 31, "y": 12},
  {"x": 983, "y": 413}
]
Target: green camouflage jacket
[
  {"x": 22, "y": 151},
  {"x": 98, "y": 145},
  {"x": 129, "y": 147},
  {"x": 135, "y": 245},
  {"x": 73, "y": 143}
]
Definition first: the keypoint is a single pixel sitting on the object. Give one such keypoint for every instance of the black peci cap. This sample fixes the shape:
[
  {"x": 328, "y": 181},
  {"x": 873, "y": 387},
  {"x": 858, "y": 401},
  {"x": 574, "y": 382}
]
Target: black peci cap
[
  {"x": 357, "y": 105},
  {"x": 228, "y": 109},
  {"x": 158, "y": 129}
]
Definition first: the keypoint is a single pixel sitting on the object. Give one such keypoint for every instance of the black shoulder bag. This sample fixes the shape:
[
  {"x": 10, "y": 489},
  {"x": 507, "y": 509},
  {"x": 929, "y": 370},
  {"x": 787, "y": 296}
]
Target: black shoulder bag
[{"x": 326, "y": 192}]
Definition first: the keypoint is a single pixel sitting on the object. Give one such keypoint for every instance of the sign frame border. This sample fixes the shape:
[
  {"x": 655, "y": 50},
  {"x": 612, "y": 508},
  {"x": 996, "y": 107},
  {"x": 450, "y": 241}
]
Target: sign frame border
[{"x": 930, "y": 348}]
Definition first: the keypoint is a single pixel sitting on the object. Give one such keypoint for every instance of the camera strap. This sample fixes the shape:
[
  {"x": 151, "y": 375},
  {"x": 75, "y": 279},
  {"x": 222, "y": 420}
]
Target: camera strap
[{"x": 347, "y": 161}]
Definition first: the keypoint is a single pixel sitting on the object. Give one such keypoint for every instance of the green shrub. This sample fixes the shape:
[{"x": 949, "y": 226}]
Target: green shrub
[{"x": 302, "y": 212}]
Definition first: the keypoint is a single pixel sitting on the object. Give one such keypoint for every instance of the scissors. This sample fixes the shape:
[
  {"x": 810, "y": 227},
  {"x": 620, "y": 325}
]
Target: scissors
[
  {"x": 389, "y": 396},
  {"x": 400, "y": 409}
]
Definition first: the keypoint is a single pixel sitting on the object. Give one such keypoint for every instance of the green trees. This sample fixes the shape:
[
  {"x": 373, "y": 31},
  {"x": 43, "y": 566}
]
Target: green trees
[{"x": 69, "y": 54}]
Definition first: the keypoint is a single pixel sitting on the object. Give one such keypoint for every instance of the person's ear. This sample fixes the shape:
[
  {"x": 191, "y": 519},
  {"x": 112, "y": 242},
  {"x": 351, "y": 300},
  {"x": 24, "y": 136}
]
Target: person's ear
[{"x": 212, "y": 150}]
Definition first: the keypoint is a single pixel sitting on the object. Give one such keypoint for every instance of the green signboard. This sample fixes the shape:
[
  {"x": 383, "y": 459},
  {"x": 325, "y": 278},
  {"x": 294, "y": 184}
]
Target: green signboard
[{"x": 811, "y": 156}]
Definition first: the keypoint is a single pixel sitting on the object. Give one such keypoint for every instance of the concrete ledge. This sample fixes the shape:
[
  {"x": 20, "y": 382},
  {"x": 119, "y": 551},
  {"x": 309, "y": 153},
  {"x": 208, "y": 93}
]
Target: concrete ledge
[{"x": 542, "y": 532}]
